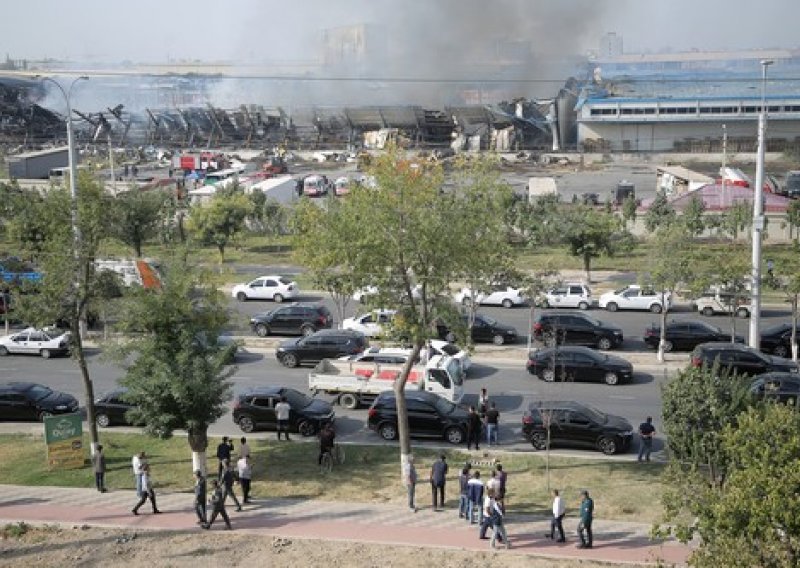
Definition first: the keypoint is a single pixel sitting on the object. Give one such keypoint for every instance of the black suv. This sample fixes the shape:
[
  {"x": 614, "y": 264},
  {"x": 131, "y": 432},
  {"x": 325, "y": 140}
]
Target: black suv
[
  {"x": 686, "y": 335},
  {"x": 484, "y": 329},
  {"x": 32, "y": 401},
  {"x": 739, "y": 359},
  {"x": 779, "y": 387},
  {"x": 429, "y": 416},
  {"x": 292, "y": 319},
  {"x": 575, "y": 328},
  {"x": 777, "y": 339},
  {"x": 255, "y": 408},
  {"x": 576, "y": 425},
  {"x": 324, "y": 344}
]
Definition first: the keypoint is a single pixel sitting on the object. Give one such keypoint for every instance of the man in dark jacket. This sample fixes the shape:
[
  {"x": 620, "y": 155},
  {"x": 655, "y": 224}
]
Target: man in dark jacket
[
  {"x": 99, "y": 466},
  {"x": 463, "y": 499},
  {"x": 218, "y": 506},
  {"x": 200, "y": 497},
  {"x": 224, "y": 450},
  {"x": 473, "y": 428},
  {"x": 438, "y": 479},
  {"x": 585, "y": 524},
  {"x": 227, "y": 483}
]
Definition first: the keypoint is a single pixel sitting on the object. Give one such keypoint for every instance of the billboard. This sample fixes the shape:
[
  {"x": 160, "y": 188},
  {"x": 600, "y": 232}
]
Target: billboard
[{"x": 63, "y": 435}]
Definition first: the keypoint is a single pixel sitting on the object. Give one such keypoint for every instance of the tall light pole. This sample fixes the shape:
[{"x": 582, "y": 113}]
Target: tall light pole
[{"x": 758, "y": 213}]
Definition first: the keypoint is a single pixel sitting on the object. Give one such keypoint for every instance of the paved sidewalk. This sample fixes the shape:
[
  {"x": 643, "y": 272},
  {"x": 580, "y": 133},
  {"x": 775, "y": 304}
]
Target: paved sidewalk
[{"x": 617, "y": 542}]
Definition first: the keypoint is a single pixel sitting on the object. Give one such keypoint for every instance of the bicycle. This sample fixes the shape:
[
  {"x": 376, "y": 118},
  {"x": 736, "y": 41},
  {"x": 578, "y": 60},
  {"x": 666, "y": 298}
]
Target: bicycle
[{"x": 334, "y": 456}]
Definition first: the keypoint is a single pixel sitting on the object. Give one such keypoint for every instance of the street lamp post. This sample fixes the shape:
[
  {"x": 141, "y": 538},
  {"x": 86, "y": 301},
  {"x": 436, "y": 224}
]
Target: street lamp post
[{"x": 758, "y": 213}]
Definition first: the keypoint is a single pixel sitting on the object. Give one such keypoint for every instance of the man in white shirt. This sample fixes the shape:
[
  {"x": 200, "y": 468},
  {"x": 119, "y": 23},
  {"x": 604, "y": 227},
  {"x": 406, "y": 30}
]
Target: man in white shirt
[
  {"x": 137, "y": 462},
  {"x": 245, "y": 475},
  {"x": 244, "y": 448},
  {"x": 559, "y": 509},
  {"x": 282, "y": 410}
]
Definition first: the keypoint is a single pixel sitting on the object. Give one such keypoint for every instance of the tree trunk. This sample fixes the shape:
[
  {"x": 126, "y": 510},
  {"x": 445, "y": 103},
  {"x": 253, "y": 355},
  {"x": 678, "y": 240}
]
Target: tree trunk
[
  {"x": 137, "y": 248},
  {"x": 198, "y": 442},
  {"x": 794, "y": 328},
  {"x": 402, "y": 411},
  {"x": 88, "y": 387},
  {"x": 221, "y": 249},
  {"x": 662, "y": 341},
  {"x": 587, "y": 266}
]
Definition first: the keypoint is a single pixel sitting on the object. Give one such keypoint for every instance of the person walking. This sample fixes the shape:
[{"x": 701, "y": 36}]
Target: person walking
[
  {"x": 244, "y": 448},
  {"x": 483, "y": 402},
  {"x": 282, "y": 411},
  {"x": 559, "y": 510},
  {"x": 410, "y": 481},
  {"x": 492, "y": 419},
  {"x": 463, "y": 498},
  {"x": 217, "y": 506},
  {"x": 200, "y": 497},
  {"x": 502, "y": 478},
  {"x": 438, "y": 479},
  {"x": 498, "y": 526},
  {"x": 245, "y": 477},
  {"x": 99, "y": 467},
  {"x": 473, "y": 428},
  {"x": 646, "y": 433},
  {"x": 137, "y": 462},
  {"x": 475, "y": 494},
  {"x": 224, "y": 450},
  {"x": 147, "y": 492},
  {"x": 585, "y": 524},
  {"x": 227, "y": 484},
  {"x": 327, "y": 440}
]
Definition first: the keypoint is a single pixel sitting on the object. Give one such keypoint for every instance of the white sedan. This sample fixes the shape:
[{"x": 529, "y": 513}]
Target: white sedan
[
  {"x": 505, "y": 296},
  {"x": 635, "y": 297},
  {"x": 32, "y": 341},
  {"x": 362, "y": 294},
  {"x": 275, "y": 288},
  {"x": 370, "y": 324},
  {"x": 440, "y": 347}
]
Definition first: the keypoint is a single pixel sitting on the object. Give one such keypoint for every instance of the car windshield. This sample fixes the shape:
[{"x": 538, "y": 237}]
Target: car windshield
[
  {"x": 38, "y": 392},
  {"x": 591, "y": 320},
  {"x": 621, "y": 290},
  {"x": 297, "y": 399},
  {"x": 487, "y": 320},
  {"x": 450, "y": 349},
  {"x": 445, "y": 406},
  {"x": 777, "y": 329},
  {"x": 284, "y": 280},
  {"x": 709, "y": 327}
]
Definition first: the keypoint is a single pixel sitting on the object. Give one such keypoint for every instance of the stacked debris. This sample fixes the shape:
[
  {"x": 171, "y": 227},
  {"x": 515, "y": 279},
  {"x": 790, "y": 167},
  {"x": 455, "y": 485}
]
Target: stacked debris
[{"x": 22, "y": 121}]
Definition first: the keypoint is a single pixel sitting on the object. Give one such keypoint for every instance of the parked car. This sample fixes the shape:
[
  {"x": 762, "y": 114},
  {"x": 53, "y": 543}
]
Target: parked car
[
  {"x": 341, "y": 186},
  {"x": 505, "y": 296},
  {"x": 570, "y": 295},
  {"x": 686, "y": 335},
  {"x": 32, "y": 341},
  {"x": 110, "y": 408},
  {"x": 32, "y": 401},
  {"x": 370, "y": 324},
  {"x": 712, "y": 303},
  {"x": 429, "y": 416},
  {"x": 740, "y": 359},
  {"x": 385, "y": 355},
  {"x": 573, "y": 364},
  {"x": 777, "y": 339},
  {"x": 440, "y": 347},
  {"x": 254, "y": 409},
  {"x": 573, "y": 424},
  {"x": 485, "y": 329},
  {"x": 363, "y": 295},
  {"x": 324, "y": 344},
  {"x": 575, "y": 328},
  {"x": 293, "y": 319},
  {"x": 635, "y": 297},
  {"x": 778, "y": 387},
  {"x": 275, "y": 288},
  {"x": 399, "y": 355}
]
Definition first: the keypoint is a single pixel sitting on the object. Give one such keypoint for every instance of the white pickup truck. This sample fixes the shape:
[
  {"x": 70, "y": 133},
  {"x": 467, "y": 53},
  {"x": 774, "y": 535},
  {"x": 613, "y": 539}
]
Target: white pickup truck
[{"x": 358, "y": 383}]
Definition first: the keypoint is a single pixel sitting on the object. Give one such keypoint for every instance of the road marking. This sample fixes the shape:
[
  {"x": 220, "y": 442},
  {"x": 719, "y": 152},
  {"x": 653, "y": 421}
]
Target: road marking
[{"x": 621, "y": 397}]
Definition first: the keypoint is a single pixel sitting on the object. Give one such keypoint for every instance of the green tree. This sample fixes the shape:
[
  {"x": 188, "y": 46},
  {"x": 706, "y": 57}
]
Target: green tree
[
  {"x": 535, "y": 221},
  {"x": 793, "y": 218},
  {"x": 693, "y": 216},
  {"x": 786, "y": 279},
  {"x": 591, "y": 233},
  {"x": 218, "y": 222},
  {"x": 629, "y": 206},
  {"x": 659, "y": 213},
  {"x": 137, "y": 217},
  {"x": 175, "y": 366},
  {"x": 736, "y": 219}
]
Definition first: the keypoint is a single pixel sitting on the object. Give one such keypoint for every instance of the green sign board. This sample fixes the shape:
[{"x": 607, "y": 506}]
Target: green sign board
[{"x": 63, "y": 435}]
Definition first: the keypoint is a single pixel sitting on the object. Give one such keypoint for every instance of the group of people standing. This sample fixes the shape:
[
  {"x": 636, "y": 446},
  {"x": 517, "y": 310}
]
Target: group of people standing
[
  {"x": 484, "y": 417},
  {"x": 584, "y": 524}
]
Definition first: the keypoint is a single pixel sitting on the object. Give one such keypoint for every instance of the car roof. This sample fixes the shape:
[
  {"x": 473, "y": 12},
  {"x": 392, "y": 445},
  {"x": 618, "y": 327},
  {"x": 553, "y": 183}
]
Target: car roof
[
  {"x": 410, "y": 395},
  {"x": 722, "y": 345},
  {"x": 266, "y": 390},
  {"x": 556, "y": 404},
  {"x": 20, "y": 385},
  {"x": 350, "y": 332},
  {"x": 273, "y": 276},
  {"x": 571, "y": 349}
]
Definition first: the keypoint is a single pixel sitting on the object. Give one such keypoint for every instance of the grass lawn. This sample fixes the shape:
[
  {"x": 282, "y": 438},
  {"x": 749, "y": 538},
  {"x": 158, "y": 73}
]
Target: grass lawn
[{"x": 623, "y": 490}]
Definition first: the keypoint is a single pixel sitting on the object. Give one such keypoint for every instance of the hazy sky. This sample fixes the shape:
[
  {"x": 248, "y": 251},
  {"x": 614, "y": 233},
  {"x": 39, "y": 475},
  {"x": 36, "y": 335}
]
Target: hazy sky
[{"x": 266, "y": 30}]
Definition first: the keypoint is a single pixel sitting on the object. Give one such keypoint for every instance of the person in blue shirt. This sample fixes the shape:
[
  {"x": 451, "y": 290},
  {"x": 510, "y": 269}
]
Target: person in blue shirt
[{"x": 585, "y": 524}]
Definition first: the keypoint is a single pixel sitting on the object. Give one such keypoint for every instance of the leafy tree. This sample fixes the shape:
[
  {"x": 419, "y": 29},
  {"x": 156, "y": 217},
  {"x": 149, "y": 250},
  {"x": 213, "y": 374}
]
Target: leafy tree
[
  {"x": 736, "y": 219},
  {"x": 220, "y": 221},
  {"x": 536, "y": 221},
  {"x": 591, "y": 233},
  {"x": 629, "y": 206},
  {"x": 693, "y": 216},
  {"x": 138, "y": 216},
  {"x": 793, "y": 218},
  {"x": 175, "y": 367},
  {"x": 659, "y": 213},
  {"x": 787, "y": 280}
]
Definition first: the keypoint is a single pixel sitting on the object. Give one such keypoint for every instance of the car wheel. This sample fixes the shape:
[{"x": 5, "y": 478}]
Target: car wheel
[
  {"x": 454, "y": 435},
  {"x": 708, "y": 312},
  {"x": 611, "y": 378},
  {"x": 3, "y": 351},
  {"x": 548, "y": 375},
  {"x": 246, "y": 424},
  {"x": 607, "y": 445},
  {"x": 262, "y": 330},
  {"x": 290, "y": 360},
  {"x": 306, "y": 428},
  {"x": 781, "y": 351},
  {"x": 656, "y": 308},
  {"x": 604, "y": 344},
  {"x": 507, "y": 303},
  {"x": 498, "y": 339},
  {"x": 44, "y": 414},
  {"x": 742, "y": 313},
  {"x": 539, "y": 441},
  {"x": 668, "y": 346},
  {"x": 349, "y": 401},
  {"x": 45, "y": 353},
  {"x": 241, "y": 296},
  {"x": 388, "y": 431},
  {"x": 583, "y": 306},
  {"x": 612, "y": 306},
  {"x": 103, "y": 420},
  {"x": 277, "y": 298},
  {"x": 307, "y": 330}
]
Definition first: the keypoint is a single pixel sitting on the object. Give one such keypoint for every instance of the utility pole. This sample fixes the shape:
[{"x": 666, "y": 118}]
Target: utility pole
[{"x": 724, "y": 161}]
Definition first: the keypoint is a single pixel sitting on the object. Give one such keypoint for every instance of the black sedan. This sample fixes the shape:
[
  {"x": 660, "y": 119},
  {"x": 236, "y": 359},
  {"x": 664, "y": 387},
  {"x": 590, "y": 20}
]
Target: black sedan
[
  {"x": 572, "y": 363},
  {"x": 254, "y": 409},
  {"x": 778, "y": 339},
  {"x": 110, "y": 408},
  {"x": 577, "y": 425},
  {"x": 485, "y": 329},
  {"x": 32, "y": 401},
  {"x": 429, "y": 416},
  {"x": 778, "y": 387},
  {"x": 733, "y": 358},
  {"x": 686, "y": 335},
  {"x": 576, "y": 328},
  {"x": 323, "y": 344}
]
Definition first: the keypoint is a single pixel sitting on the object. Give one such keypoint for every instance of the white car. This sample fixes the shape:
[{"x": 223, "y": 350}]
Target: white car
[
  {"x": 399, "y": 355},
  {"x": 441, "y": 347},
  {"x": 384, "y": 355},
  {"x": 275, "y": 288},
  {"x": 505, "y": 296},
  {"x": 32, "y": 341},
  {"x": 569, "y": 295},
  {"x": 635, "y": 297},
  {"x": 362, "y": 294},
  {"x": 370, "y": 324}
]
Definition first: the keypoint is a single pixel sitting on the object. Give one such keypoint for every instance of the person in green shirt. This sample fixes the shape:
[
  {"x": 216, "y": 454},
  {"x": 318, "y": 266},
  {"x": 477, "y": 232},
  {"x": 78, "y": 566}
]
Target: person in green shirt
[{"x": 585, "y": 524}]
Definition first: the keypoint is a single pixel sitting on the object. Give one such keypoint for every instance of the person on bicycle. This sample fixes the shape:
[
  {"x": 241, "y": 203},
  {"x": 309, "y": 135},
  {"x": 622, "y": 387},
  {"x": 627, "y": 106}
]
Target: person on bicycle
[{"x": 327, "y": 438}]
